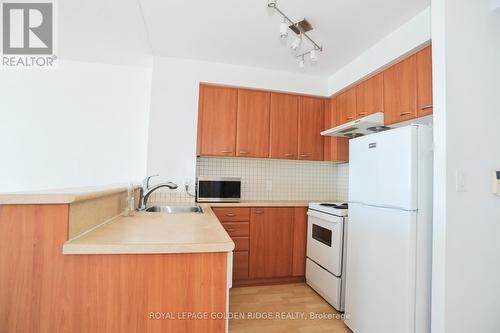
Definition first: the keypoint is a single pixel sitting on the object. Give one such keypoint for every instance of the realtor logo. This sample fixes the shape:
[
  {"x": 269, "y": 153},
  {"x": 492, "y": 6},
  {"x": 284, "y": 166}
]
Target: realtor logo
[{"x": 28, "y": 34}]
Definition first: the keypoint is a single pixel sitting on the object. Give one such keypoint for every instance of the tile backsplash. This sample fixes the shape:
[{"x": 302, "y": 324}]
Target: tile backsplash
[{"x": 266, "y": 179}]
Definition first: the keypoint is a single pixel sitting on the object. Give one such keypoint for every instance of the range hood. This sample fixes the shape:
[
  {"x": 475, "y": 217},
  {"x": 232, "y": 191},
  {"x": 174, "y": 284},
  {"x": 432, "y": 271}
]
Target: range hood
[{"x": 368, "y": 125}]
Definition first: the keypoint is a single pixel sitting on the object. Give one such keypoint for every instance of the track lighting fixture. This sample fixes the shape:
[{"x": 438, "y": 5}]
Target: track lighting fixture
[{"x": 300, "y": 29}]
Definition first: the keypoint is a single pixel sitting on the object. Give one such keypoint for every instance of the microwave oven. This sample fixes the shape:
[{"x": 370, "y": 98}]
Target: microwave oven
[{"x": 218, "y": 189}]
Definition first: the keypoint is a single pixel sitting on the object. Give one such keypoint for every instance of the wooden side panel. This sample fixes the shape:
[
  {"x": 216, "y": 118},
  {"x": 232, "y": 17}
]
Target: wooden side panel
[
  {"x": 41, "y": 290},
  {"x": 252, "y": 133},
  {"x": 311, "y": 123},
  {"x": 284, "y": 126},
  {"x": 217, "y": 121},
  {"x": 424, "y": 82},
  {"x": 400, "y": 91},
  {"x": 346, "y": 106},
  {"x": 271, "y": 242},
  {"x": 299, "y": 241},
  {"x": 370, "y": 96}
]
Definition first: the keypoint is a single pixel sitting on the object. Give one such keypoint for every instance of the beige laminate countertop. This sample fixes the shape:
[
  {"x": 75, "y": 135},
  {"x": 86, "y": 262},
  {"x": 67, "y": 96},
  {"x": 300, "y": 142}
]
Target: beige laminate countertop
[
  {"x": 152, "y": 233},
  {"x": 60, "y": 196}
]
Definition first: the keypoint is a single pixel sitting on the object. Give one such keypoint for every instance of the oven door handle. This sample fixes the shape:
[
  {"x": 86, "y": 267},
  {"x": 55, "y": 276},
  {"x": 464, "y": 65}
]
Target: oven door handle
[{"x": 324, "y": 217}]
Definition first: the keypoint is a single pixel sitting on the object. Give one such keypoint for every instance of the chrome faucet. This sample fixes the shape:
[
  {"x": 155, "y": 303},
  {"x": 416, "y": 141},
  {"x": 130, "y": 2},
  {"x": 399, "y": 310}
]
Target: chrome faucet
[{"x": 147, "y": 190}]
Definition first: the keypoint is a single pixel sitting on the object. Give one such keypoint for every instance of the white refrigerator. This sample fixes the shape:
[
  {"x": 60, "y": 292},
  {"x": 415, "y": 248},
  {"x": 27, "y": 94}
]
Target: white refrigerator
[{"x": 389, "y": 236}]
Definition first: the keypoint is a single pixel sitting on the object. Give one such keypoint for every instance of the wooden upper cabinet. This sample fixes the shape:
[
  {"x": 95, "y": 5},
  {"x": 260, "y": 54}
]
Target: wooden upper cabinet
[
  {"x": 284, "y": 126},
  {"x": 217, "y": 121},
  {"x": 336, "y": 149},
  {"x": 370, "y": 96},
  {"x": 346, "y": 106},
  {"x": 252, "y": 131},
  {"x": 311, "y": 123},
  {"x": 271, "y": 242},
  {"x": 424, "y": 82},
  {"x": 400, "y": 91}
]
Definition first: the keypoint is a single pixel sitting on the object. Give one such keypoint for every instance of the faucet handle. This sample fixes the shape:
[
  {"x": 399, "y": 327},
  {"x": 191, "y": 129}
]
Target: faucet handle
[{"x": 146, "y": 181}]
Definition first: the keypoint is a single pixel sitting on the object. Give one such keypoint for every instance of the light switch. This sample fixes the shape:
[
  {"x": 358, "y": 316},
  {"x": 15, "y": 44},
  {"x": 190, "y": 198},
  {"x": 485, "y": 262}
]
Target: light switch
[
  {"x": 496, "y": 183},
  {"x": 460, "y": 181}
]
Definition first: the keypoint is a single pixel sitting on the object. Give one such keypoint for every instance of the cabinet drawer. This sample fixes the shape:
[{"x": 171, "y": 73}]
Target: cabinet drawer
[
  {"x": 241, "y": 243},
  {"x": 232, "y": 214},
  {"x": 240, "y": 265},
  {"x": 237, "y": 229}
]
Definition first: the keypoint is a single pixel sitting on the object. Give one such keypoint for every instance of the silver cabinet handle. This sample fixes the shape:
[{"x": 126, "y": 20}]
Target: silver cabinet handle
[
  {"x": 230, "y": 229},
  {"x": 227, "y": 151},
  {"x": 304, "y": 155},
  {"x": 289, "y": 155},
  {"x": 350, "y": 118},
  {"x": 362, "y": 114},
  {"x": 259, "y": 212},
  {"x": 244, "y": 152},
  {"x": 405, "y": 113},
  {"x": 230, "y": 214},
  {"x": 430, "y": 106}
]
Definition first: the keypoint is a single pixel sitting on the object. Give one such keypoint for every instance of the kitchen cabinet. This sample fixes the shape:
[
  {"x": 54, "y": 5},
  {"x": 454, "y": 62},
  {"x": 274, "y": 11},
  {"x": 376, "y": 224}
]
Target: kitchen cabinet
[
  {"x": 217, "y": 121},
  {"x": 346, "y": 106},
  {"x": 284, "y": 126},
  {"x": 240, "y": 265},
  {"x": 299, "y": 241},
  {"x": 400, "y": 91},
  {"x": 424, "y": 82},
  {"x": 252, "y": 130},
  {"x": 311, "y": 123},
  {"x": 336, "y": 149},
  {"x": 370, "y": 96},
  {"x": 271, "y": 242}
]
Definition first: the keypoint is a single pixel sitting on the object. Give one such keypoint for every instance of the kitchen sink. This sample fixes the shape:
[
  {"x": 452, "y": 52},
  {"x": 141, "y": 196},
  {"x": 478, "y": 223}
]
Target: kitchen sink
[{"x": 174, "y": 209}]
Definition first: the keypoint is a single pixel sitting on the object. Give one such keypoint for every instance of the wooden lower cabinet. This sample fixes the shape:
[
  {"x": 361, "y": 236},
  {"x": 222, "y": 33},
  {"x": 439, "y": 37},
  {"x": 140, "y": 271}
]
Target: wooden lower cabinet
[
  {"x": 271, "y": 242},
  {"x": 44, "y": 291},
  {"x": 240, "y": 265},
  {"x": 299, "y": 241}
]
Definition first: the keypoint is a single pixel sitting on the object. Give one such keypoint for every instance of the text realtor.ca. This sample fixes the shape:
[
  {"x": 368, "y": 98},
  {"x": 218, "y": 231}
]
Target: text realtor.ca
[{"x": 28, "y": 34}]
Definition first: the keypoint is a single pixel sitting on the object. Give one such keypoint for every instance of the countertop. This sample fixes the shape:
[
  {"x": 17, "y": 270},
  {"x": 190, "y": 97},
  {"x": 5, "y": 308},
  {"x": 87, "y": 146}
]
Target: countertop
[
  {"x": 60, "y": 196},
  {"x": 152, "y": 233}
]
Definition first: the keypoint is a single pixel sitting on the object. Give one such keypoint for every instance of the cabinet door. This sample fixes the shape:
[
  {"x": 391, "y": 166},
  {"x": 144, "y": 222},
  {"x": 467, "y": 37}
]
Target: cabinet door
[
  {"x": 400, "y": 91},
  {"x": 299, "y": 241},
  {"x": 284, "y": 126},
  {"x": 311, "y": 123},
  {"x": 271, "y": 242},
  {"x": 240, "y": 265},
  {"x": 252, "y": 131},
  {"x": 424, "y": 82},
  {"x": 217, "y": 121},
  {"x": 346, "y": 106},
  {"x": 370, "y": 96},
  {"x": 336, "y": 149}
]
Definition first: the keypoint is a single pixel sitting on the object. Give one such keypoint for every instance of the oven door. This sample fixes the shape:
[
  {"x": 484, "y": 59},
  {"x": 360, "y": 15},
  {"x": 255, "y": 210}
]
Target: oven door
[{"x": 325, "y": 240}]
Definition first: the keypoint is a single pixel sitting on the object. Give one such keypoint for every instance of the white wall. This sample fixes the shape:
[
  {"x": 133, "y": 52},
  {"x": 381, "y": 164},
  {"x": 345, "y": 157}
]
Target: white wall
[
  {"x": 405, "y": 39},
  {"x": 174, "y": 107},
  {"x": 82, "y": 124},
  {"x": 469, "y": 113}
]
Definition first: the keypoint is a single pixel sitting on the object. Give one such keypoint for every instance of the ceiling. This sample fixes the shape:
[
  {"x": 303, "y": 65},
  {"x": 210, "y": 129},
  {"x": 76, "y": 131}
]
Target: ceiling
[{"x": 241, "y": 32}]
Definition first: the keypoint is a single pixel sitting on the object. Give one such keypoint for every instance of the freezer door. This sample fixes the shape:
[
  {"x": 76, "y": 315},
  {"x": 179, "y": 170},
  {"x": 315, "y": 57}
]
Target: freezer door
[
  {"x": 383, "y": 169},
  {"x": 381, "y": 266}
]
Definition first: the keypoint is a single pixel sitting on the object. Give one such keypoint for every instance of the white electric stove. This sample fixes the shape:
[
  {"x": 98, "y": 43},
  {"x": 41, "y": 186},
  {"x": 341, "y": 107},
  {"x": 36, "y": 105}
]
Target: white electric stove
[{"x": 326, "y": 254}]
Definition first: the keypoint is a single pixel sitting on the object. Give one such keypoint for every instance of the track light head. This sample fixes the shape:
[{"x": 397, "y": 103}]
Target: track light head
[
  {"x": 296, "y": 43},
  {"x": 314, "y": 56},
  {"x": 283, "y": 30},
  {"x": 301, "y": 63}
]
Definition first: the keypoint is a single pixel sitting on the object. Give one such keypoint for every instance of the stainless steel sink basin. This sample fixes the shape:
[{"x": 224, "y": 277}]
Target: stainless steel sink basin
[{"x": 174, "y": 209}]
